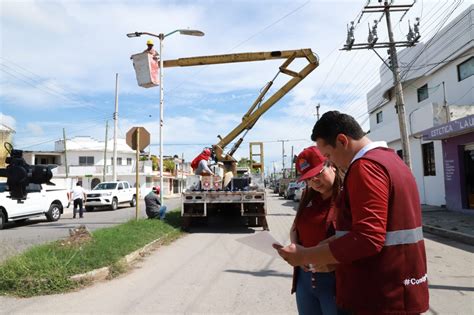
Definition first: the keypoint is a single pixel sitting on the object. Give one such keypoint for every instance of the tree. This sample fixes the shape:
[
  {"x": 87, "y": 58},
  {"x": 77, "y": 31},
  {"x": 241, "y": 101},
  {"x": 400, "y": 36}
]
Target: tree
[
  {"x": 244, "y": 162},
  {"x": 169, "y": 165}
]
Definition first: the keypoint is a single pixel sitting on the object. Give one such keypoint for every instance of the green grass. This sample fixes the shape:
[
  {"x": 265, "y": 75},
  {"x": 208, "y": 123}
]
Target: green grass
[{"x": 46, "y": 269}]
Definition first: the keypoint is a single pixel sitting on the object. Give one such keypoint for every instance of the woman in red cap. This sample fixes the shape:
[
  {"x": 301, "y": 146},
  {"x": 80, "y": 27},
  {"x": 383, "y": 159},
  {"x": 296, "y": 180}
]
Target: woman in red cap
[{"x": 315, "y": 291}]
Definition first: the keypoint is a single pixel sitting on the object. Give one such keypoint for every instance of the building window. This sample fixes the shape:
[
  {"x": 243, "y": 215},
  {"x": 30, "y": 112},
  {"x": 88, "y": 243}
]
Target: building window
[
  {"x": 379, "y": 117},
  {"x": 466, "y": 69},
  {"x": 86, "y": 160},
  {"x": 400, "y": 153},
  {"x": 129, "y": 161},
  {"x": 422, "y": 93},
  {"x": 429, "y": 167},
  {"x": 119, "y": 161}
]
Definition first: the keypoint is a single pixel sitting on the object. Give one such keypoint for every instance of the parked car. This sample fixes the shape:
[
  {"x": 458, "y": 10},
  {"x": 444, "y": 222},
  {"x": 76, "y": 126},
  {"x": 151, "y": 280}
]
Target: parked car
[
  {"x": 299, "y": 191},
  {"x": 290, "y": 190},
  {"x": 276, "y": 188},
  {"x": 111, "y": 194},
  {"x": 38, "y": 202}
]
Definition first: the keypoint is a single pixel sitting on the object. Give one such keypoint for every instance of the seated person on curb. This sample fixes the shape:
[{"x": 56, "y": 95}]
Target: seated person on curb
[
  {"x": 200, "y": 163},
  {"x": 154, "y": 209}
]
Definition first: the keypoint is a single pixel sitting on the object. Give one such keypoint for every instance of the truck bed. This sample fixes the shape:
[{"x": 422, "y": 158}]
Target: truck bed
[{"x": 250, "y": 204}]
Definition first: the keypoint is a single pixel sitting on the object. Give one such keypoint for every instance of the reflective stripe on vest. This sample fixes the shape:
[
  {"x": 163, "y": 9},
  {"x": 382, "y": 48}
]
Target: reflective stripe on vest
[{"x": 411, "y": 236}]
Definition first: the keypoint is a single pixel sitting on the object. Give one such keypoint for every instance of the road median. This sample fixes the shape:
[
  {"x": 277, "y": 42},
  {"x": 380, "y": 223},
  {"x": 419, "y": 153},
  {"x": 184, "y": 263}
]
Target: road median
[{"x": 75, "y": 262}]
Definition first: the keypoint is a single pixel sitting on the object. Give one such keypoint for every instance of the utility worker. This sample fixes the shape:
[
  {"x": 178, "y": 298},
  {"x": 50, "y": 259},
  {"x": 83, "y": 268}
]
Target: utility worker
[
  {"x": 200, "y": 163},
  {"x": 154, "y": 209},
  {"x": 151, "y": 50},
  {"x": 378, "y": 247}
]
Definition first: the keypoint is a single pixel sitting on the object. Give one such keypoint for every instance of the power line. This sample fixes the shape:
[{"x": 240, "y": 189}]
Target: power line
[{"x": 35, "y": 81}]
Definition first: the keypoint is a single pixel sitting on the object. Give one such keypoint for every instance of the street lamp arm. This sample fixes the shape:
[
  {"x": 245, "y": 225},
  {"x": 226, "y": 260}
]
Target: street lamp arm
[{"x": 138, "y": 34}]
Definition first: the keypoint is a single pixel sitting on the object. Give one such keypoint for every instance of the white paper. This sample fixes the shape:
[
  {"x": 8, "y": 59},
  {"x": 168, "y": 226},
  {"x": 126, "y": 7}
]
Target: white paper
[{"x": 261, "y": 241}]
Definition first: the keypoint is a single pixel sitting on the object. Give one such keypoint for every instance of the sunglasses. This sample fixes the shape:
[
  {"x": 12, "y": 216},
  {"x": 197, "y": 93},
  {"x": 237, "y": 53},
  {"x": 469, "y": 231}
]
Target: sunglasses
[{"x": 317, "y": 176}]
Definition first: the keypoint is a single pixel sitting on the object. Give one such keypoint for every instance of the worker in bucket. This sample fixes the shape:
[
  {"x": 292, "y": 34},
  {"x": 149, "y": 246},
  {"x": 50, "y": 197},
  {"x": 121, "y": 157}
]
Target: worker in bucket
[
  {"x": 151, "y": 50},
  {"x": 200, "y": 163}
]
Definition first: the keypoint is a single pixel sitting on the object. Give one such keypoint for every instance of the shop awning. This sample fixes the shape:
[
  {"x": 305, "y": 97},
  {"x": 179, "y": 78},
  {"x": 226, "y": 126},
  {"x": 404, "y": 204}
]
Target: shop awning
[{"x": 454, "y": 128}]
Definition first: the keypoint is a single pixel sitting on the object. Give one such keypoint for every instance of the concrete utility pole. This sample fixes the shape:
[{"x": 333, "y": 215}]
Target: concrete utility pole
[
  {"x": 412, "y": 38},
  {"x": 292, "y": 156},
  {"x": 283, "y": 156},
  {"x": 445, "y": 105},
  {"x": 114, "y": 162},
  {"x": 105, "y": 150},
  {"x": 65, "y": 153}
]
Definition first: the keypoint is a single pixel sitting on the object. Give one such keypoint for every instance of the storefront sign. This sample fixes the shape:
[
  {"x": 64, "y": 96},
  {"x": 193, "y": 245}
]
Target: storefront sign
[
  {"x": 459, "y": 126},
  {"x": 449, "y": 170}
]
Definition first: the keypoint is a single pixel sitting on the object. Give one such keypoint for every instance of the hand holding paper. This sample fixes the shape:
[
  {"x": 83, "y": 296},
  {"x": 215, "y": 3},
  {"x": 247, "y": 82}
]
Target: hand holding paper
[{"x": 261, "y": 241}]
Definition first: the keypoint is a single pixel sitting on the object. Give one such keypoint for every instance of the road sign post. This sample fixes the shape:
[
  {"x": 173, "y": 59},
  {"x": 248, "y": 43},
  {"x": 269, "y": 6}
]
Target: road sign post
[{"x": 137, "y": 138}]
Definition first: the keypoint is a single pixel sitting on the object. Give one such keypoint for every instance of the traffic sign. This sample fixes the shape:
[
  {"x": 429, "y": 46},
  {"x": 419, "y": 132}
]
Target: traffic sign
[{"x": 143, "y": 138}]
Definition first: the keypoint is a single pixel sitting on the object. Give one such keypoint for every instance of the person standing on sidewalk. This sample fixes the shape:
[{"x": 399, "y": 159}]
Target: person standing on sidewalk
[
  {"x": 314, "y": 222},
  {"x": 379, "y": 246},
  {"x": 154, "y": 209},
  {"x": 78, "y": 196}
]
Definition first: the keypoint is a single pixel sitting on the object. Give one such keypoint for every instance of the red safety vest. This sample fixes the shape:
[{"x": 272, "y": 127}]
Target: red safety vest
[{"x": 395, "y": 279}]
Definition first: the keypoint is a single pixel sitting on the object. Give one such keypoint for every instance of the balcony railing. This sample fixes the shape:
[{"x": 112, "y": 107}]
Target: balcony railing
[{"x": 82, "y": 170}]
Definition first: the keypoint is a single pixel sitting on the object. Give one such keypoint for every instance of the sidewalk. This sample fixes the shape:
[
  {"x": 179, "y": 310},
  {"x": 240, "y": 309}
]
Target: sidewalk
[{"x": 450, "y": 224}]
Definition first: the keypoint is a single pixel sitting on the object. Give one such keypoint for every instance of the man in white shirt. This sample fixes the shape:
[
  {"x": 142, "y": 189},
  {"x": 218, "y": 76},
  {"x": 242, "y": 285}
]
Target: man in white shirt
[{"x": 78, "y": 196}]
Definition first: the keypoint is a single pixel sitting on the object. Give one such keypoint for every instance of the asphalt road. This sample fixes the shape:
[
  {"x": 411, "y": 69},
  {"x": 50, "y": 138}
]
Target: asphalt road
[
  {"x": 16, "y": 237},
  {"x": 208, "y": 271}
]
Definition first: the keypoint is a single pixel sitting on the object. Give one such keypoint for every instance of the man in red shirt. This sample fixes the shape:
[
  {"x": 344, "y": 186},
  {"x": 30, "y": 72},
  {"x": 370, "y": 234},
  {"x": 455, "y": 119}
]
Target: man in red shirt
[{"x": 378, "y": 247}]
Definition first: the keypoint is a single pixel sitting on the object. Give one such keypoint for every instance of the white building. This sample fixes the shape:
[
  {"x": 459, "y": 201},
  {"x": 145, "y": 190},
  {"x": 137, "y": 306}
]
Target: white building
[
  {"x": 438, "y": 88},
  {"x": 83, "y": 160}
]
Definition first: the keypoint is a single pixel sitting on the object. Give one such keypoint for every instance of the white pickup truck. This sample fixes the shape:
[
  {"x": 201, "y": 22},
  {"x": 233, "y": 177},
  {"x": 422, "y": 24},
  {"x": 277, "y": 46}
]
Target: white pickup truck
[
  {"x": 111, "y": 194},
  {"x": 38, "y": 202}
]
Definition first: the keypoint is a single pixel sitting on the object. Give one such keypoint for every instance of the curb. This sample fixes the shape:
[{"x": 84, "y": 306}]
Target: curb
[
  {"x": 457, "y": 236},
  {"x": 104, "y": 272}
]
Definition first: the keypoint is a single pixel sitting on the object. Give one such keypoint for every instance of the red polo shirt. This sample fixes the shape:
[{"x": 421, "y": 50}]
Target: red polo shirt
[{"x": 311, "y": 223}]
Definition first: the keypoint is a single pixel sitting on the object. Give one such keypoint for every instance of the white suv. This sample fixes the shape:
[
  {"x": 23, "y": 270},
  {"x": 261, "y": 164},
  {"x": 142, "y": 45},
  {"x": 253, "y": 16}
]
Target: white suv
[{"x": 111, "y": 194}]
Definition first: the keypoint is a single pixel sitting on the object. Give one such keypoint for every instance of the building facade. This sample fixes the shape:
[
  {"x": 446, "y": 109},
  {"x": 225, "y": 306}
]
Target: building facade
[
  {"x": 87, "y": 160},
  {"x": 437, "y": 81}
]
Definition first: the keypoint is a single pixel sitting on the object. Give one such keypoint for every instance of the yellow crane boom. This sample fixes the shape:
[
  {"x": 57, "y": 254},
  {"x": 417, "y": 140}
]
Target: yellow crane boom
[{"x": 258, "y": 108}]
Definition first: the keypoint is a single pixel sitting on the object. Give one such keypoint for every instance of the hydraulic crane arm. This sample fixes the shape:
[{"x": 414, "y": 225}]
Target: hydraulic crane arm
[{"x": 257, "y": 109}]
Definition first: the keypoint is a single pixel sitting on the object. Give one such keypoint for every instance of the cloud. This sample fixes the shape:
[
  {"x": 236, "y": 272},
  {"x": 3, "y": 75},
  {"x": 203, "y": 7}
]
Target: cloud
[
  {"x": 58, "y": 70},
  {"x": 34, "y": 129}
]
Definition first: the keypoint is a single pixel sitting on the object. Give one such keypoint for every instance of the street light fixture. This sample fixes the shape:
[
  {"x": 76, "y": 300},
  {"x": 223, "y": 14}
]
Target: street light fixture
[{"x": 162, "y": 36}]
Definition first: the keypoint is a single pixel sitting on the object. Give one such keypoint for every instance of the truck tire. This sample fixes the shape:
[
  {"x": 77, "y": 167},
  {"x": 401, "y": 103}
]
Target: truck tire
[
  {"x": 114, "y": 204},
  {"x": 3, "y": 219},
  {"x": 133, "y": 202},
  {"x": 89, "y": 208},
  {"x": 54, "y": 212}
]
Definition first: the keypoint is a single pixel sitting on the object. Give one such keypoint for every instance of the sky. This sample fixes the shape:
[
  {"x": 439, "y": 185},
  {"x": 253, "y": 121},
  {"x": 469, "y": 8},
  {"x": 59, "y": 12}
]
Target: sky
[{"x": 59, "y": 60}]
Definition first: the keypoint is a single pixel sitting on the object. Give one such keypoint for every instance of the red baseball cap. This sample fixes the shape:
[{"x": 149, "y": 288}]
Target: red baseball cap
[
  {"x": 309, "y": 163},
  {"x": 156, "y": 188}
]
